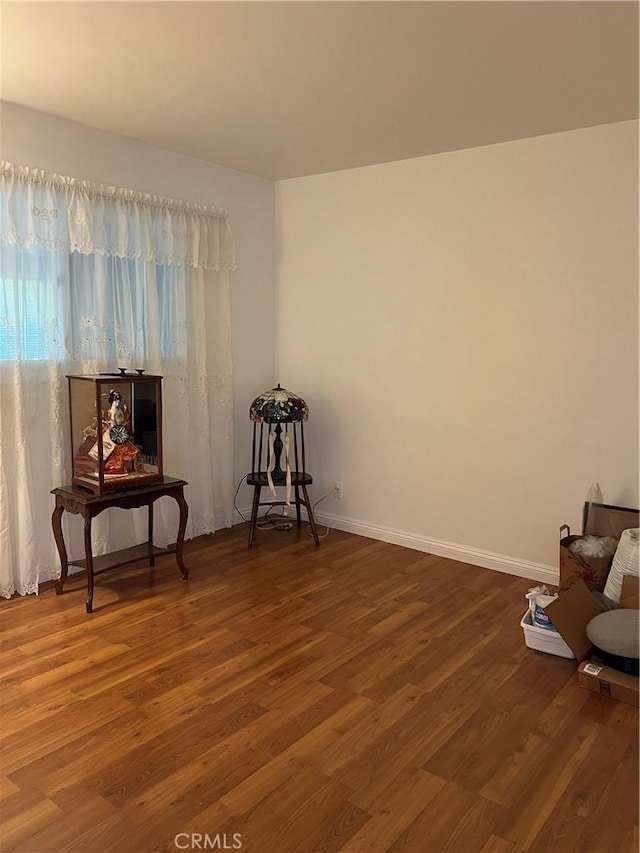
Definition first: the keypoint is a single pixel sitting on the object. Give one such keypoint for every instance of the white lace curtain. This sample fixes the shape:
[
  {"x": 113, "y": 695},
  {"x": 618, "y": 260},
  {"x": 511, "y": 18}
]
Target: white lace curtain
[{"x": 95, "y": 278}]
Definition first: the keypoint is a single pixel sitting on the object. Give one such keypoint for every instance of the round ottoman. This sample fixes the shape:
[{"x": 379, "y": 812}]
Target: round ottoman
[{"x": 616, "y": 634}]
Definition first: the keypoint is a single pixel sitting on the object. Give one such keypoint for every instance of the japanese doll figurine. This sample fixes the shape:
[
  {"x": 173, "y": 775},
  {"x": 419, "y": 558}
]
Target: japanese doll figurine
[
  {"x": 117, "y": 408},
  {"x": 120, "y": 453}
]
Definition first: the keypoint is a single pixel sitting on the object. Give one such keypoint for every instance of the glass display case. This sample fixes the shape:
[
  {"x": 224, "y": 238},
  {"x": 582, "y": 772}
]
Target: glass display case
[{"x": 116, "y": 430}]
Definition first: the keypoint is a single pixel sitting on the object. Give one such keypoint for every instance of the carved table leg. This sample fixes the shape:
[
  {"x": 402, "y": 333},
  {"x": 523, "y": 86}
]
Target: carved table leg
[
  {"x": 184, "y": 512},
  {"x": 152, "y": 560},
  {"x": 56, "y": 522},
  {"x": 88, "y": 553}
]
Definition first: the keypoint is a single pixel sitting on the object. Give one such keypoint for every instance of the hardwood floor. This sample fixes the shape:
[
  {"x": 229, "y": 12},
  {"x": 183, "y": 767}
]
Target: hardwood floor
[{"x": 357, "y": 696}]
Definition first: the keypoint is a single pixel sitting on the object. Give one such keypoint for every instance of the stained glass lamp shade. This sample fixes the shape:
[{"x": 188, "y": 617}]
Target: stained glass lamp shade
[{"x": 278, "y": 406}]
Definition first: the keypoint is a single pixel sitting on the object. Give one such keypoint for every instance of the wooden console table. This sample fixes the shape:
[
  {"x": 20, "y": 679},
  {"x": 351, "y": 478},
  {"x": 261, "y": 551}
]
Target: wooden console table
[{"x": 87, "y": 504}]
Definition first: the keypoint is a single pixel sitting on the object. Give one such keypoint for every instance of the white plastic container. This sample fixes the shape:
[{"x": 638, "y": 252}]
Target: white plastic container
[{"x": 544, "y": 639}]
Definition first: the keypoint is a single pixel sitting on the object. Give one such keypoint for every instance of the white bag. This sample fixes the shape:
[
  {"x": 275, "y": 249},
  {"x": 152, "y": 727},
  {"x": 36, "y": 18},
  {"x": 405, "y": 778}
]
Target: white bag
[{"x": 626, "y": 561}]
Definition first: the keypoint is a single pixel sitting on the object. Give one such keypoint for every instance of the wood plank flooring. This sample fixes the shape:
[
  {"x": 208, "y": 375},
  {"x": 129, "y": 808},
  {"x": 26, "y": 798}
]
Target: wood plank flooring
[{"x": 353, "y": 697}]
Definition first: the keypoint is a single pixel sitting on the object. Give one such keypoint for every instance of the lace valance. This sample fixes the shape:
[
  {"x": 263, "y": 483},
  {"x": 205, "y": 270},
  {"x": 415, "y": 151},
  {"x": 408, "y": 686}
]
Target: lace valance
[{"x": 52, "y": 211}]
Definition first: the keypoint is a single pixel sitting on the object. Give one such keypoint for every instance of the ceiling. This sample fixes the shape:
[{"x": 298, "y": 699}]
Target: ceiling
[{"x": 283, "y": 89}]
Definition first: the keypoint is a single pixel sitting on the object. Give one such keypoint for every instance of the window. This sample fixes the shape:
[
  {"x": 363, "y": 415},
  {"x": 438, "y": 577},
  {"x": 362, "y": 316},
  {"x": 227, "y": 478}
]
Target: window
[
  {"x": 89, "y": 307},
  {"x": 28, "y": 311},
  {"x": 21, "y": 333}
]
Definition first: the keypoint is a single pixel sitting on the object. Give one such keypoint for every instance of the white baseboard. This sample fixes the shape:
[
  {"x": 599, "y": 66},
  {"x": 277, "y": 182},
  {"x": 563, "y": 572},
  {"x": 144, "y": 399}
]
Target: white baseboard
[
  {"x": 438, "y": 547},
  {"x": 451, "y": 550}
]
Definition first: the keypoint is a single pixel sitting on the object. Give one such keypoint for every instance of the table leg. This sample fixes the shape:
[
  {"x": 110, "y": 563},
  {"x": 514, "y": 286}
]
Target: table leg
[
  {"x": 56, "y": 522},
  {"x": 182, "y": 526},
  {"x": 88, "y": 553},
  {"x": 152, "y": 560}
]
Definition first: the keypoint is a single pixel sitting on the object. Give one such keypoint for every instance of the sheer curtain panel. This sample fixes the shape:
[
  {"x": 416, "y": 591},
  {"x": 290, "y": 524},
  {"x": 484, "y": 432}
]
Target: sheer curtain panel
[{"x": 94, "y": 278}]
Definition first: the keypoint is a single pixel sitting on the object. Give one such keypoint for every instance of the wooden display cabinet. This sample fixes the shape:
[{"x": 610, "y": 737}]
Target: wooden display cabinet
[{"x": 116, "y": 430}]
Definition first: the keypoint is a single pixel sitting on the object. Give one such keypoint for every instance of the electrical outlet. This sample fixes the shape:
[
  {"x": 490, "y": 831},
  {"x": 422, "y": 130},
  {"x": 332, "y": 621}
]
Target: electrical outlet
[{"x": 338, "y": 490}]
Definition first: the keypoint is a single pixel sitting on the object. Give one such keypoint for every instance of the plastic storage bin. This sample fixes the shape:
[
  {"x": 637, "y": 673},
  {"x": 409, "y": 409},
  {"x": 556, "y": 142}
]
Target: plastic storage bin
[{"x": 544, "y": 639}]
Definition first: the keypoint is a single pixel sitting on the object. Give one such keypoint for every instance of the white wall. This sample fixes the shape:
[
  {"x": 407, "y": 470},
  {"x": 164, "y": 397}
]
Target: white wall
[
  {"x": 36, "y": 139},
  {"x": 464, "y": 327}
]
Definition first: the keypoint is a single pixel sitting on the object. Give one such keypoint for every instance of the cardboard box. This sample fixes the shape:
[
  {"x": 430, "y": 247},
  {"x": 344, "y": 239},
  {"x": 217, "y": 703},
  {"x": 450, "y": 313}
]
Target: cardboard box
[
  {"x": 571, "y": 612},
  {"x": 630, "y": 596},
  {"x": 608, "y": 520},
  {"x": 597, "y": 520},
  {"x": 594, "y": 675}
]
